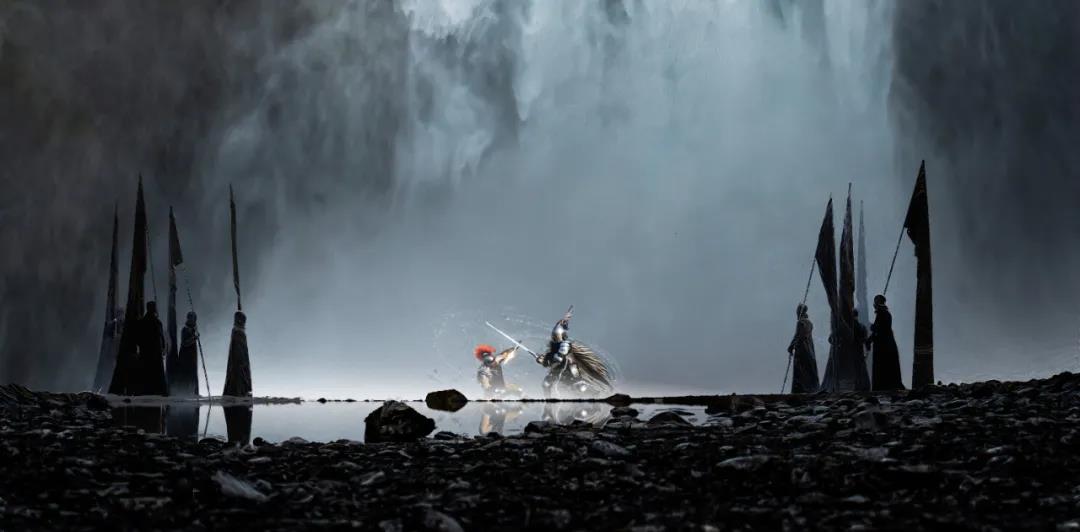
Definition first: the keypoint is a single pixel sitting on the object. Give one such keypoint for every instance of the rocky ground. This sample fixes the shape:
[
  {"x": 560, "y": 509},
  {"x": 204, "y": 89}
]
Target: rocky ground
[{"x": 982, "y": 456}]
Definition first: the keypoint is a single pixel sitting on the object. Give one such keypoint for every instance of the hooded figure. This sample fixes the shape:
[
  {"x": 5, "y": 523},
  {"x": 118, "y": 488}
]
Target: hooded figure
[
  {"x": 152, "y": 353},
  {"x": 573, "y": 368},
  {"x": 238, "y": 371},
  {"x": 186, "y": 371},
  {"x": 801, "y": 349},
  {"x": 886, "y": 370}
]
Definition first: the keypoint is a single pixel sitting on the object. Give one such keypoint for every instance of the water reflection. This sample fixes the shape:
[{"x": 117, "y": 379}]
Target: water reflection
[
  {"x": 147, "y": 418},
  {"x": 567, "y": 413},
  {"x": 496, "y": 414},
  {"x": 238, "y": 423},
  {"x": 182, "y": 420},
  {"x": 334, "y": 421}
]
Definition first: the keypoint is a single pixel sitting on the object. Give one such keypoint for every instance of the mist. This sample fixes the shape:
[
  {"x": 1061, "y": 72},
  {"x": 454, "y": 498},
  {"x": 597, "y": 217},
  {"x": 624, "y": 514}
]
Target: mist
[{"x": 406, "y": 170}]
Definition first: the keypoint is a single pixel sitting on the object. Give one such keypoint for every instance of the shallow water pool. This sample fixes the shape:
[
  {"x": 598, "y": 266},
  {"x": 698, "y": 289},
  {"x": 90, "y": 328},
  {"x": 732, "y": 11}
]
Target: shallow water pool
[{"x": 315, "y": 421}]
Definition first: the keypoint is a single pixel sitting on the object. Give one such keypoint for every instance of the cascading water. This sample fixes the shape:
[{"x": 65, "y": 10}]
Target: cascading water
[{"x": 660, "y": 164}]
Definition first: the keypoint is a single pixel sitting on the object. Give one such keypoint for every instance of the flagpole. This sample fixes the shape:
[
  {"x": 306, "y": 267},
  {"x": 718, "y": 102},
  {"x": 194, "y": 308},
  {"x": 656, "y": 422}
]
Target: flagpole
[
  {"x": 810, "y": 278},
  {"x": 899, "y": 239}
]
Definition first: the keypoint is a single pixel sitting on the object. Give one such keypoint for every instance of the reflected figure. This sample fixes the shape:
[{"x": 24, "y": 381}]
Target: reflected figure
[
  {"x": 567, "y": 413},
  {"x": 151, "y": 419},
  {"x": 495, "y": 417},
  {"x": 182, "y": 421},
  {"x": 238, "y": 423}
]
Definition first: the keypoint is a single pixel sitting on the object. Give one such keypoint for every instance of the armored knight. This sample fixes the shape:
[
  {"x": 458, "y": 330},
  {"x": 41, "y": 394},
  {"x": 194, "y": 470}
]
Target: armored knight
[{"x": 573, "y": 368}]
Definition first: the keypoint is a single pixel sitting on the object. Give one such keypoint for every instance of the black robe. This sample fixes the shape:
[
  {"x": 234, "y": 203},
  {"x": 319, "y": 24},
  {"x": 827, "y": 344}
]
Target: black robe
[
  {"x": 804, "y": 378},
  {"x": 152, "y": 357},
  {"x": 238, "y": 371},
  {"x": 184, "y": 369},
  {"x": 886, "y": 369}
]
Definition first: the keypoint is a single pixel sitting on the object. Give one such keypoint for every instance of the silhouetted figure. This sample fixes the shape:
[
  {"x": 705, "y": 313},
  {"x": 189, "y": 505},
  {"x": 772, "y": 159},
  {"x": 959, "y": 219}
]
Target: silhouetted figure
[
  {"x": 238, "y": 371},
  {"x": 152, "y": 353},
  {"x": 804, "y": 378},
  {"x": 886, "y": 370},
  {"x": 860, "y": 333},
  {"x": 184, "y": 368},
  {"x": 238, "y": 424}
]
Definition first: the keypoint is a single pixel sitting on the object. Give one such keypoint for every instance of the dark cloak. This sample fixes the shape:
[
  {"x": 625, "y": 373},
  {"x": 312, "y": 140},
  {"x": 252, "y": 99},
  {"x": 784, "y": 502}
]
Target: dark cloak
[
  {"x": 804, "y": 378},
  {"x": 152, "y": 356},
  {"x": 886, "y": 368},
  {"x": 183, "y": 369},
  {"x": 238, "y": 371}
]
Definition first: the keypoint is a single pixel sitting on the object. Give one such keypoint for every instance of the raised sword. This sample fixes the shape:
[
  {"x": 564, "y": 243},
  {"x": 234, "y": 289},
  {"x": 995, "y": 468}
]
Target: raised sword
[{"x": 517, "y": 343}]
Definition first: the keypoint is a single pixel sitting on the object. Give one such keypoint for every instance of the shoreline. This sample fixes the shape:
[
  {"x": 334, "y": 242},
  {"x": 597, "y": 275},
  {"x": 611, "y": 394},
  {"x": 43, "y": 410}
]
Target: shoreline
[{"x": 973, "y": 456}]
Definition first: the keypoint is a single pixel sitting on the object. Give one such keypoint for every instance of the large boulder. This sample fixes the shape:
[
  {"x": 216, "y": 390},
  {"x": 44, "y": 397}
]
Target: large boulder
[
  {"x": 446, "y": 400},
  {"x": 395, "y": 421}
]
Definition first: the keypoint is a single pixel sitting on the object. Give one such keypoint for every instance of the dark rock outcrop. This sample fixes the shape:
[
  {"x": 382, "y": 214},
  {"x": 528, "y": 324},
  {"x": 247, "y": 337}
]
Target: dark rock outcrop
[
  {"x": 395, "y": 421},
  {"x": 446, "y": 400}
]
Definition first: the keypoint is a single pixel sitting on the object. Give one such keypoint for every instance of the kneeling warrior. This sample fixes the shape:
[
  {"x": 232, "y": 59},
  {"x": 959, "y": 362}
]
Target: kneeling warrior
[
  {"x": 490, "y": 372},
  {"x": 572, "y": 367}
]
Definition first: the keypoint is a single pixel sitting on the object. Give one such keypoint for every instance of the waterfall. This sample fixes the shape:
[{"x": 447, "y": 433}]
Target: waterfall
[{"x": 654, "y": 163}]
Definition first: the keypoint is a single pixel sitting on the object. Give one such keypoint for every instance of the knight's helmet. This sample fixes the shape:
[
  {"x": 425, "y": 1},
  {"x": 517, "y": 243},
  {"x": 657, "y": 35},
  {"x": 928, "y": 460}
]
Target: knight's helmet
[{"x": 561, "y": 332}]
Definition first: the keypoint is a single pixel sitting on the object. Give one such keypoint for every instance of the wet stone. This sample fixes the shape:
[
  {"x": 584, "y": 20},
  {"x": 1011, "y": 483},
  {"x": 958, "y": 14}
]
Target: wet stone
[
  {"x": 395, "y": 421},
  {"x": 941, "y": 460},
  {"x": 446, "y": 400},
  {"x": 668, "y": 418}
]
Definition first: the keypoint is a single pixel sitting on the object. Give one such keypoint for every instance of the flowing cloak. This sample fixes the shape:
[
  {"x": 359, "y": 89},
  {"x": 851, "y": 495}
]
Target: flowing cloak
[
  {"x": 591, "y": 368},
  {"x": 591, "y": 371},
  {"x": 238, "y": 371},
  {"x": 151, "y": 356},
  {"x": 805, "y": 377},
  {"x": 886, "y": 368}
]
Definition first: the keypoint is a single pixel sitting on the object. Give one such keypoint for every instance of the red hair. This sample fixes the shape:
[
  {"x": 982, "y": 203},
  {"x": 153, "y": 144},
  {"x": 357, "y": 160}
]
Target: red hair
[{"x": 482, "y": 349}]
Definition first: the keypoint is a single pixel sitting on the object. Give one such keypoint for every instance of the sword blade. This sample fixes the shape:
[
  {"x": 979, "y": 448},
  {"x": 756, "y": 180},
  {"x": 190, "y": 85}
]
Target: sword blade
[{"x": 508, "y": 337}]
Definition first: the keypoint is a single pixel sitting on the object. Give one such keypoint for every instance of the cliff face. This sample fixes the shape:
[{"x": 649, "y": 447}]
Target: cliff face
[
  {"x": 93, "y": 94},
  {"x": 984, "y": 91}
]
